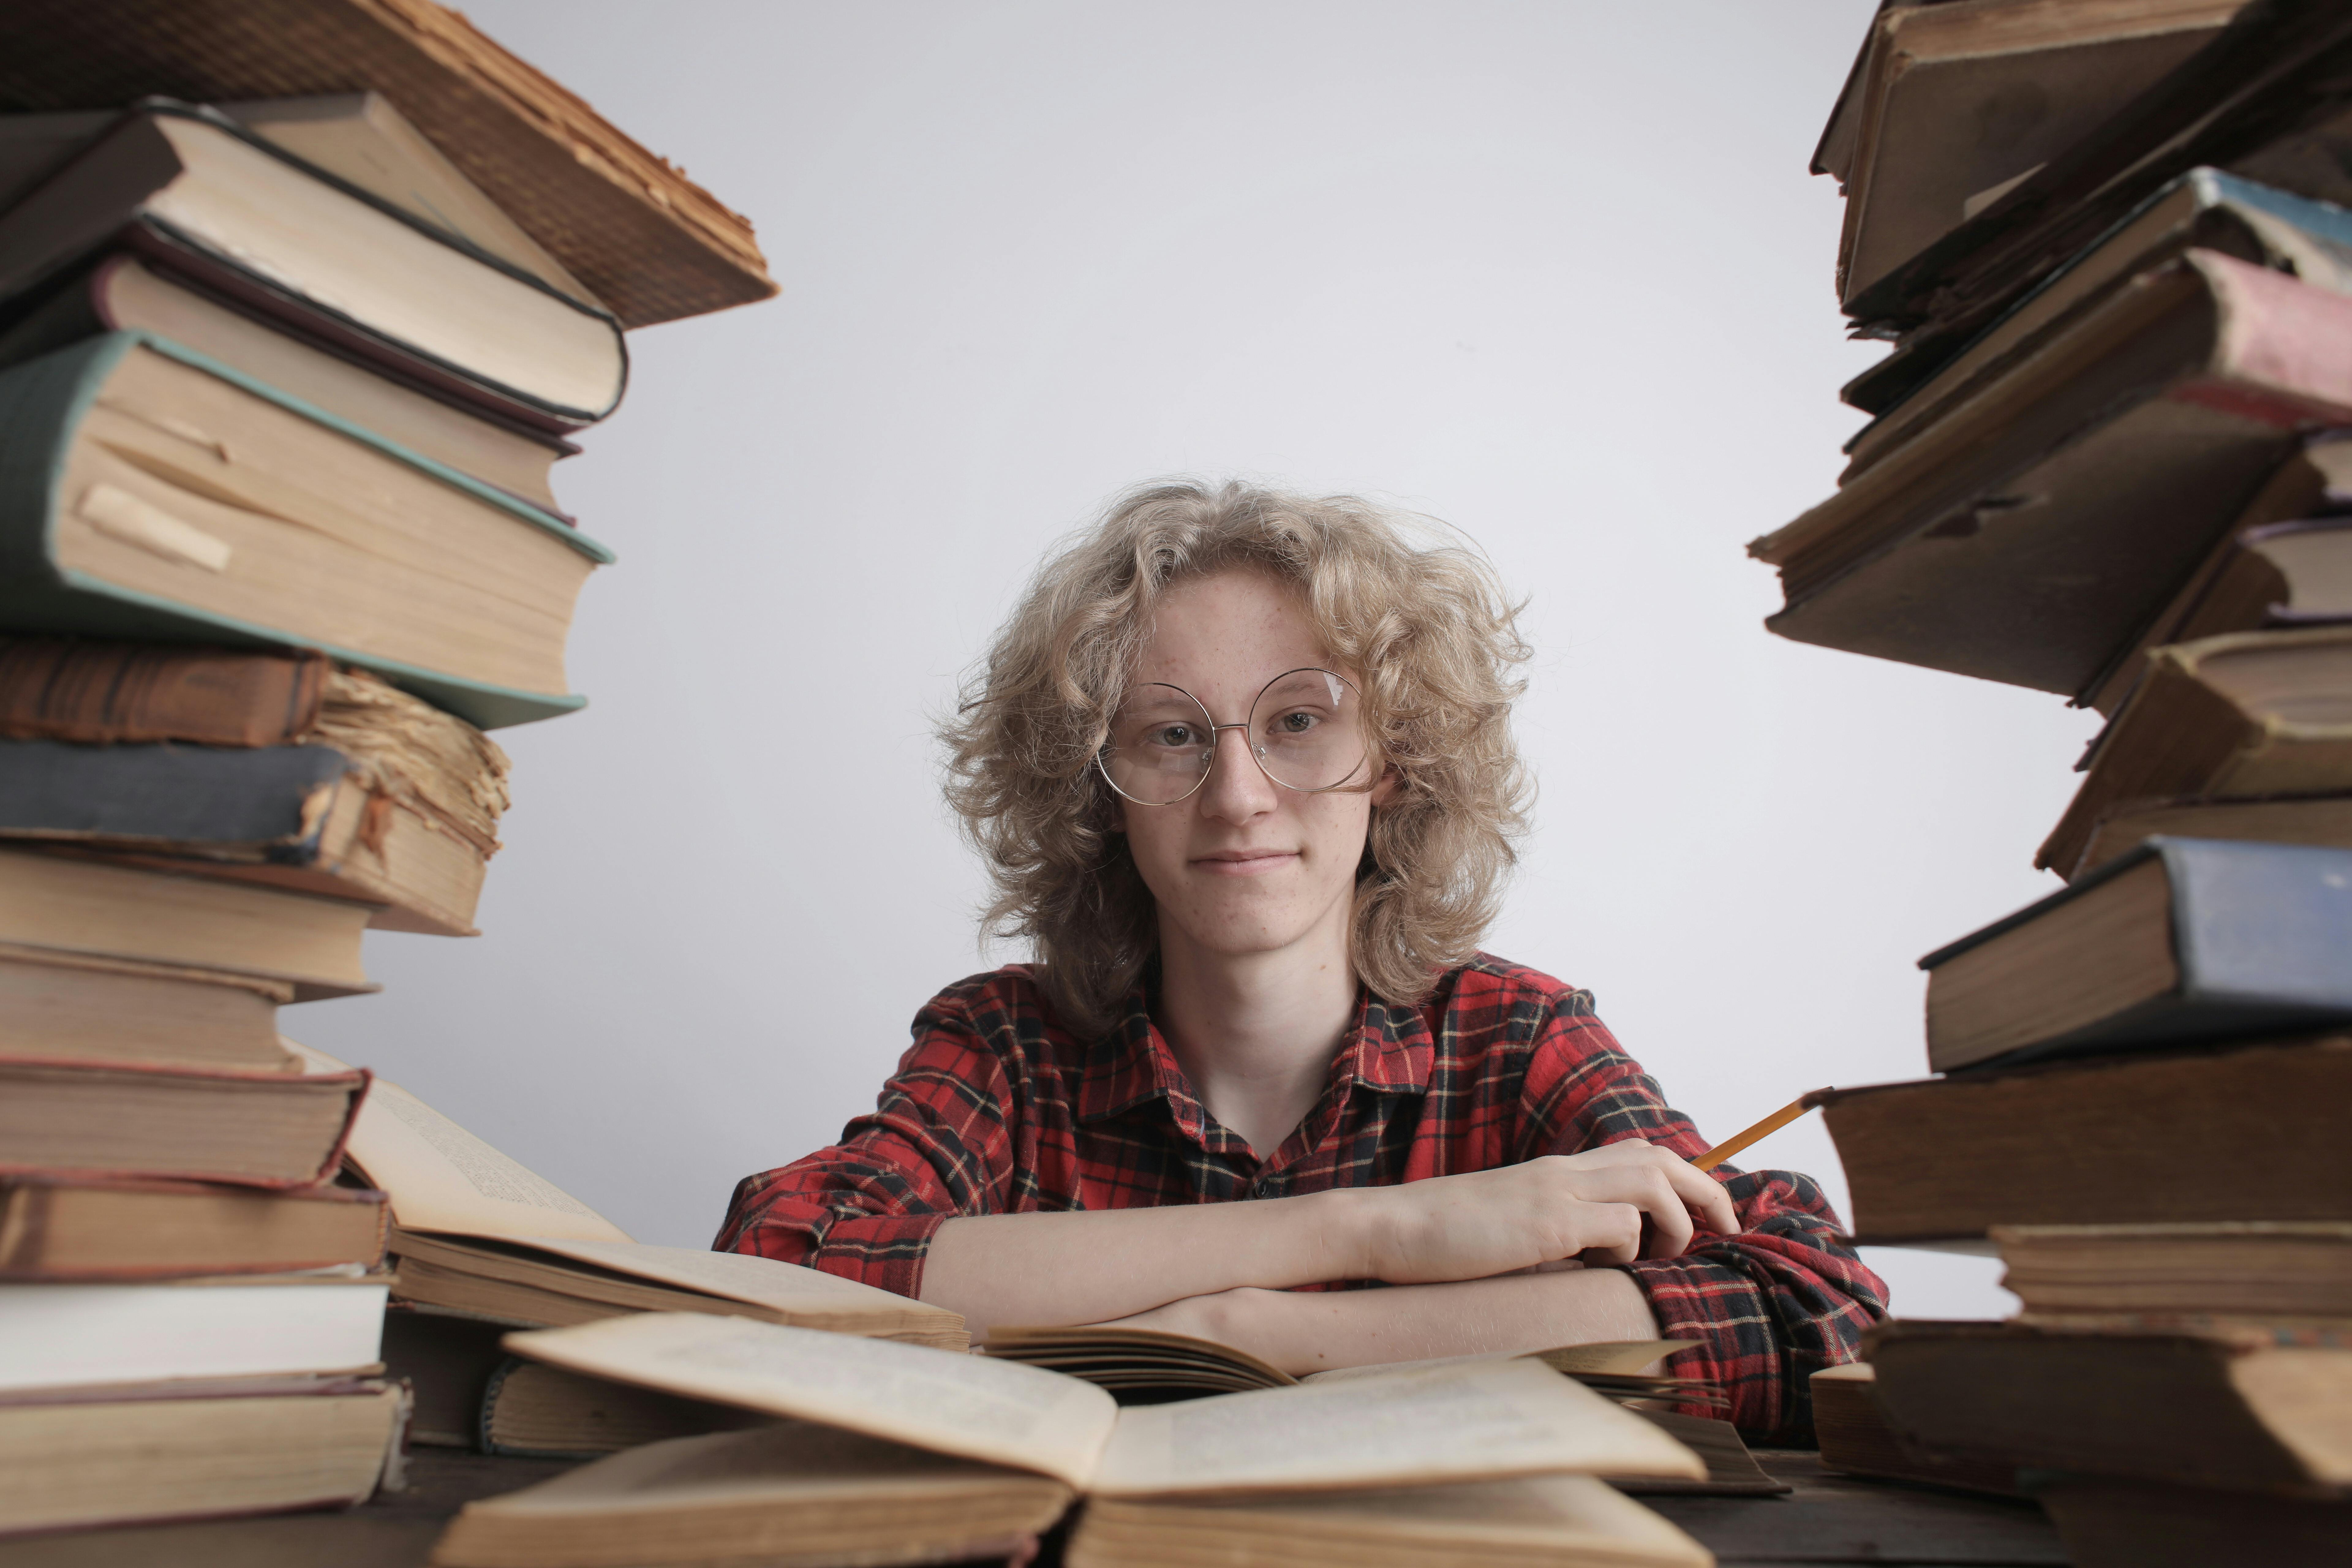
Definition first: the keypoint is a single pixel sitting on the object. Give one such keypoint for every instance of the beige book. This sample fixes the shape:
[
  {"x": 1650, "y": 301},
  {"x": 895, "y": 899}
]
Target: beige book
[
  {"x": 239, "y": 210},
  {"x": 360, "y": 137},
  {"x": 782, "y": 1497},
  {"x": 69, "y": 1006},
  {"x": 2323, "y": 819},
  {"x": 1145, "y": 1360},
  {"x": 477, "y": 1232},
  {"x": 1481, "y": 1420},
  {"x": 202, "y": 499},
  {"x": 62, "y": 1229},
  {"x": 1484, "y": 1459},
  {"x": 123, "y": 293},
  {"x": 2238, "y": 717},
  {"x": 542, "y": 1411},
  {"x": 1563, "y": 1521},
  {"x": 204, "y": 1449},
  {"x": 84, "y": 908},
  {"x": 2289, "y": 1270}
]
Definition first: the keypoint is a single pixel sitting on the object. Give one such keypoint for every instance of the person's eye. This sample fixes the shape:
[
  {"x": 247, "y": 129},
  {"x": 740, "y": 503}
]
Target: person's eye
[
  {"x": 1173, "y": 735},
  {"x": 1296, "y": 724}
]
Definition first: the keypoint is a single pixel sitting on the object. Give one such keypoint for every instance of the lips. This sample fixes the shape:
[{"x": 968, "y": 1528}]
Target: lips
[{"x": 1245, "y": 862}]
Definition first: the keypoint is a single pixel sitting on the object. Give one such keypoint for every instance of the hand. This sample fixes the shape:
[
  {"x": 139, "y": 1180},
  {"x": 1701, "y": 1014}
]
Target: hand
[{"x": 1589, "y": 1206}]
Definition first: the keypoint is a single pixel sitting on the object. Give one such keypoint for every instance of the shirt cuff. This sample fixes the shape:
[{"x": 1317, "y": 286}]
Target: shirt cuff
[
  {"x": 1725, "y": 1313},
  {"x": 886, "y": 1251}
]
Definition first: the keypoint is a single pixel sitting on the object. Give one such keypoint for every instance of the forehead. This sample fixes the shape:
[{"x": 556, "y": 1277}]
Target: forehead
[{"x": 1228, "y": 633}]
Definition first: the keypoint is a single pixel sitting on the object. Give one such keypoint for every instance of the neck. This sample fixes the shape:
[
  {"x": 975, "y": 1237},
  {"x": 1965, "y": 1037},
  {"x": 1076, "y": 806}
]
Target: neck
[{"x": 1256, "y": 1032}]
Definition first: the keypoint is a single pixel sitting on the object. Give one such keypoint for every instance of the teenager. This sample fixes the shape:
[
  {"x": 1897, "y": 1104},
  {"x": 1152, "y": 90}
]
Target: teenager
[{"x": 1241, "y": 768}]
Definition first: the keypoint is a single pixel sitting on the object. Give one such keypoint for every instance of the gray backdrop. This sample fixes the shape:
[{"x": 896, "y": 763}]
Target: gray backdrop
[{"x": 1554, "y": 272}]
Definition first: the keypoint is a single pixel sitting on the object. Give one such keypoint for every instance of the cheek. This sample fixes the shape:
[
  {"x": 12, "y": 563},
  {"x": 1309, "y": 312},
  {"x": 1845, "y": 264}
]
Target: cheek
[{"x": 1340, "y": 825}]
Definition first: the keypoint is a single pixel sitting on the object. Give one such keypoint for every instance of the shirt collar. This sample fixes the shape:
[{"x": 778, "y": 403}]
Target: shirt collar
[{"x": 1388, "y": 1051}]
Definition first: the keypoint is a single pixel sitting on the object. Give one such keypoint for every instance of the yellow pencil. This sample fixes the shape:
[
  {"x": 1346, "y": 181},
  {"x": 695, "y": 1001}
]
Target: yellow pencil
[{"x": 1771, "y": 1124}]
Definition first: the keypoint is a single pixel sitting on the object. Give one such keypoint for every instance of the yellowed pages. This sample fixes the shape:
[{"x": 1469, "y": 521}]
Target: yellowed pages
[
  {"x": 441, "y": 1177},
  {"x": 736, "y": 1277},
  {"x": 118, "y": 912},
  {"x": 966, "y": 1405},
  {"x": 1615, "y": 1357},
  {"x": 1483, "y": 1420},
  {"x": 1539, "y": 1518}
]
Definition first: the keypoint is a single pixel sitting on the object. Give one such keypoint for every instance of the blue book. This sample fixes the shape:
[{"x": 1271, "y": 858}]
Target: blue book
[
  {"x": 2182, "y": 941},
  {"x": 147, "y": 491},
  {"x": 302, "y": 817}
]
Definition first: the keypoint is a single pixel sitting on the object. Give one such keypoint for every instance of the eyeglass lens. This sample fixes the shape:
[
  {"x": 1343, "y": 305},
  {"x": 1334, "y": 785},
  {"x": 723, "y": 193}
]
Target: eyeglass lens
[{"x": 1304, "y": 730}]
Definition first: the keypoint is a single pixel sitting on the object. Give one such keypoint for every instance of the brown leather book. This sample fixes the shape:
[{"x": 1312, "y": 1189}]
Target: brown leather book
[
  {"x": 105, "y": 693},
  {"x": 2098, "y": 1142}
]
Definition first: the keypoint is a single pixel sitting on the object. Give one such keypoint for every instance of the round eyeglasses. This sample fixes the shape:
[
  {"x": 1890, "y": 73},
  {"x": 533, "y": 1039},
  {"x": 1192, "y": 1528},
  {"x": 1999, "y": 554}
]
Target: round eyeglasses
[{"x": 1304, "y": 733}]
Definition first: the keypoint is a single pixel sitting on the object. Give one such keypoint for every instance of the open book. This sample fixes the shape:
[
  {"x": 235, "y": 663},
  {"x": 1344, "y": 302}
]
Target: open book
[
  {"x": 1143, "y": 1366},
  {"x": 476, "y": 1234},
  {"x": 1292, "y": 1451}
]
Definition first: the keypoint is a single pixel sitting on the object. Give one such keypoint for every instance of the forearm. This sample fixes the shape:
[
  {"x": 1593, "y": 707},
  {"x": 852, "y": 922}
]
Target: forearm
[
  {"x": 1316, "y": 1332},
  {"x": 1091, "y": 1265}
]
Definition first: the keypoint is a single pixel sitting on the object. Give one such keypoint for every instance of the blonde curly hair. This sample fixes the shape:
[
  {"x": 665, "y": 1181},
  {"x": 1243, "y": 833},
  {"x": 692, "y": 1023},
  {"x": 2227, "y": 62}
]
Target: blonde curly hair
[{"x": 1425, "y": 626}]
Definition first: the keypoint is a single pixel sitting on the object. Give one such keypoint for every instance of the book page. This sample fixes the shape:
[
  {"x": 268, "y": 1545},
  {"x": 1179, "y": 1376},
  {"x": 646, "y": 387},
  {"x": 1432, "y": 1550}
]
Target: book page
[
  {"x": 1141, "y": 1347},
  {"x": 441, "y": 1177},
  {"x": 1618, "y": 1357},
  {"x": 735, "y": 1276},
  {"x": 942, "y": 1401},
  {"x": 1470, "y": 1421}
]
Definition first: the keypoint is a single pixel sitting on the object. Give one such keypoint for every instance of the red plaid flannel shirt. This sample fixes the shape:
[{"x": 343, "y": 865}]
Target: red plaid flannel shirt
[{"x": 997, "y": 1109}]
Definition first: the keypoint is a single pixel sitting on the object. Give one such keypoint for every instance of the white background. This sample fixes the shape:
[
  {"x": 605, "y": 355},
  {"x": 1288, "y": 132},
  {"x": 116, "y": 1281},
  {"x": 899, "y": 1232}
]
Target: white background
[{"x": 1554, "y": 272}]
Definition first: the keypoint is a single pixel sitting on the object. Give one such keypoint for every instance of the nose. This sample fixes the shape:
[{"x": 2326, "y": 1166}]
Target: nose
[{"x": 1237, "y": 788}]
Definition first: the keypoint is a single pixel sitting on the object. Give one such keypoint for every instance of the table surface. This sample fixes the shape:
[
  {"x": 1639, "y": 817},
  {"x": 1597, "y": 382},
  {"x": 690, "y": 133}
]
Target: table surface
[{"x": 1825, "y": 1520}]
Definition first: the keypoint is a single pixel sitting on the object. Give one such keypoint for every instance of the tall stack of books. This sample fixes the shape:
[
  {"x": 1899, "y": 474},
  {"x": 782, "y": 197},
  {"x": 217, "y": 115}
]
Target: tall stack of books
[
  {"x": 284, "y": 369},
  {"x": 2111, "y": 458}
]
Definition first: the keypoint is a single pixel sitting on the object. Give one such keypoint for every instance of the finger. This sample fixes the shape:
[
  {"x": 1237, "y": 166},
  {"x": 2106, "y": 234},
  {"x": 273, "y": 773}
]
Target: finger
[
  {"x": 1646, "y": 1189},
  {"x": 1613, "y": 1233},
  {"x": 1670, "y": 1220},
  {"x": 1706, "y": 1197},
  {"x": 1698, "y": 1190}
]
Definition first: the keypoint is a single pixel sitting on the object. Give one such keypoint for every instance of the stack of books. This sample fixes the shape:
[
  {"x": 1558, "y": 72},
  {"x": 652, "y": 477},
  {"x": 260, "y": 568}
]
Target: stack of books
[
  {"x": 2111, "y": 458},
  {"x": 283, "y": 377}
]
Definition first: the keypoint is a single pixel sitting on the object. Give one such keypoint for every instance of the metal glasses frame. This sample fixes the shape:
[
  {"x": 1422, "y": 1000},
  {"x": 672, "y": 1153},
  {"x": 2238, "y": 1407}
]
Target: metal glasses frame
[{"x": 1256, "y": 754}]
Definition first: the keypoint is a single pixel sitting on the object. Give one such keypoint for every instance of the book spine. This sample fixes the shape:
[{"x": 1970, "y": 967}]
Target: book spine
[
  {"x": 2283, "y": 354},
  {"x": 43, "y": 401}
]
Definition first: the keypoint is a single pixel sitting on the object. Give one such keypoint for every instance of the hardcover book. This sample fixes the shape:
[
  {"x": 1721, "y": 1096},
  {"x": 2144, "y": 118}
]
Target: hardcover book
[
  {"x": 2248, "y": 716},
  {"x": 476, "y": 1232},
  {"x": 194, "y": 1448},
  {"x": 2235, "y": 1410},
  {"x": 148, "y": 492},
  {"x": 1899, "y": 140},
  {"x": 631, "y": 226},
  {"x": 88, "y": 1230},
  {"x": 2180, "y": 940},
  {"x": 113, "y": 1121},
  {"x": 2097, "y": 1141},
  {"x": 121, "y": 292},
  {"x": 2029, "y": 534},
  {"x": 203, "y": 197},
  {"x": 2286, "y": 561},
  {"x": 281, "y": 770},
  {"x": 2244, "y": 1268}
]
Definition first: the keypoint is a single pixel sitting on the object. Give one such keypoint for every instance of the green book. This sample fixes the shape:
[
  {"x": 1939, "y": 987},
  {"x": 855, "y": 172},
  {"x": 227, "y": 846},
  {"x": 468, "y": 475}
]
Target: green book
[{"x": 149, "y": 491}]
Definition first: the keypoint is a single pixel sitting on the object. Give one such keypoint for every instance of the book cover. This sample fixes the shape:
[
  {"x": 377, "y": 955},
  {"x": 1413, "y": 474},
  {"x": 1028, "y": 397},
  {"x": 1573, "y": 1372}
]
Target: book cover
[{"x": 43, "y": 404}]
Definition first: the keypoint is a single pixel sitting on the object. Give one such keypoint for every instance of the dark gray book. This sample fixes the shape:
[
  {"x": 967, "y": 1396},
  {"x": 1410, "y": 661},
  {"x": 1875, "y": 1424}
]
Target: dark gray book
[{"x": 252, "y": 802}]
